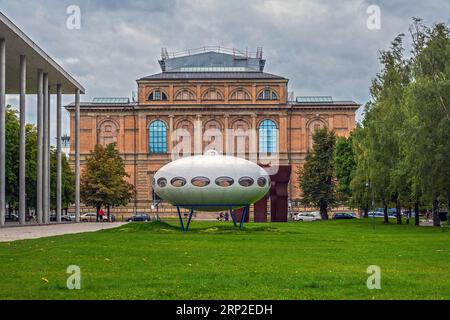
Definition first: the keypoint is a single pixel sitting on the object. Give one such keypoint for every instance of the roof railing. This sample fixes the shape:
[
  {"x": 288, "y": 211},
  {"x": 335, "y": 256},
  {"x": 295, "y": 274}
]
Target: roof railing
[{"x": 219, "y": 49}]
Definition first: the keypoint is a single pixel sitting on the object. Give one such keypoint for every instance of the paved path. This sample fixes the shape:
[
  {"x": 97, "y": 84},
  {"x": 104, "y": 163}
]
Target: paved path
[{"x": 34, "y": 232}]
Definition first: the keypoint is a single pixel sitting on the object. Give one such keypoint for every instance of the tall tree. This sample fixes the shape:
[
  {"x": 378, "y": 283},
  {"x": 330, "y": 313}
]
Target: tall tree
[
  {"x": 103, "y": 182},
  {"x": 402, "y": 147},
  {"x": 427, "y": 104},
  {"x": 12, "y": 158},
  {"x": 316, "y": 178},
  {"x": 67, "y": 181},
  {"x": 345, "y": 165},
  {"x": 381, "y": 143}
]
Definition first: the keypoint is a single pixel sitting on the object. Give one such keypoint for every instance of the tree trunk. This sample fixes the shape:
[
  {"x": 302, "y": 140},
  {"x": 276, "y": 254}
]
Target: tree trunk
[
  {"x": 399, "y": 212},
  {"x": 436, "y": 220},
  {"x": 324, "y": 211},
  {"x": 98, "y": 213},
  {"x": 366, "y": 212},
  {"x": 417, "y": 214},
  {"x": 408, "y": 215},
  {"x": 385, "y": 211},
  {"x": 108, "y": 212}
]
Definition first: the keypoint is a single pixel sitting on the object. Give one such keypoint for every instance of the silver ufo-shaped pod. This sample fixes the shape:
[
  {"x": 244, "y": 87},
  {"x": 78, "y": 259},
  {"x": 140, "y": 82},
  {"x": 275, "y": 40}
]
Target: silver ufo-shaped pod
[{"x": 211, "y": 182}]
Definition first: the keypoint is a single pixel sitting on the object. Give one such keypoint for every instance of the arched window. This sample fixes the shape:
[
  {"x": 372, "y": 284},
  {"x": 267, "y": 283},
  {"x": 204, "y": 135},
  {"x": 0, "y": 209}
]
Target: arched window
[
  {"x": 108, "y": 132},
  {"x": 314, "y": 126},
  {"x": 240, "y": 95},
  {"x": 157, "y": 133},
  {"x": 185, "y": 95},
  {"x": 157, "y": 95},
  {"x": 267, "y": 94},
  {"x": 268, "y": 137},
  {"x": 212, "y": 95}
]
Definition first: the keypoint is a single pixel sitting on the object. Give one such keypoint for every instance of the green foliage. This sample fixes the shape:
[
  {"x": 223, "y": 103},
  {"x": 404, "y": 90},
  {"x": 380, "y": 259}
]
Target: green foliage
[
  {"x": 345, "y": 165},
  {"x": 12, "y": 157},
  {"x": 67, "y": 181},
  {"x": 316, "y": 178},
  {"x": 12, "y": 166},
  {"x": 103, "y": 180},
  {"x": 402, "y": 147}
]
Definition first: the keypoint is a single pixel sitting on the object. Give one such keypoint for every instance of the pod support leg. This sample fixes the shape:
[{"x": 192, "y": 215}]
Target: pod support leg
[
  {"x": 189, "y": 220},
  {"x": 233, "y": 217},
  {"x": 181, "y": 219},
  {"x": 244, "y": 214}
]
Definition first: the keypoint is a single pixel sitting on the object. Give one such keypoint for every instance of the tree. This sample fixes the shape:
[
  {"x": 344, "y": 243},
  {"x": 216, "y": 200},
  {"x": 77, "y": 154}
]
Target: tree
[
  {"x": 427, "y": 104},
  {"x": 67, "y": 181},
  {"x": 12, "y": 158},
  {"x": 103, "y": 182},
  {"x": 12, "y": 166},
  {"x": 344, "y": 158},
  {"x": 380, "y": 144},
  {"x": 31, "y": 165},
  {"x": 316, "y": 177},
  {"x": 402, "y": 147},
  {"x": 360, "y": 188}
]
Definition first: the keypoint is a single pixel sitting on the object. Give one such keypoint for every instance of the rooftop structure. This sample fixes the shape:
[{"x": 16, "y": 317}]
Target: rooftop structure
[{"x": 212, "y": 59}]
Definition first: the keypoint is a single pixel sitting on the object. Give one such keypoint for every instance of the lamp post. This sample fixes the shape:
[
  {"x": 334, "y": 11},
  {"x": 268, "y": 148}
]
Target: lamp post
[
  {"x": 373, "y": 204},
  {"x": 65, "y": 140}
]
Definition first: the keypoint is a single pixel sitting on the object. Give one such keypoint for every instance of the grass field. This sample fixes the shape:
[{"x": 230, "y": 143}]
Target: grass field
[{"x": 319, "y": 260}]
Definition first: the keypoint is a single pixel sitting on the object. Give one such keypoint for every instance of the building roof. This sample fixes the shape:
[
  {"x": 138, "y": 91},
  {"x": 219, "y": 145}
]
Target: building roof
[
  {"x": 321, "y": 101},
  {"x": 212, "y": 57},
  {"x": 17, "y": 44},
  {"x": 110, "y": 100},
  {"x": 213, "y": 76},
  {"x": 326, "y": 104}
]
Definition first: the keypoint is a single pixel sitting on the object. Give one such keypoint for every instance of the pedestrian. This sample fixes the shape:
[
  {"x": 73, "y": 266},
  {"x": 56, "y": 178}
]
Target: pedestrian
[{"x": 101, "y": 213}]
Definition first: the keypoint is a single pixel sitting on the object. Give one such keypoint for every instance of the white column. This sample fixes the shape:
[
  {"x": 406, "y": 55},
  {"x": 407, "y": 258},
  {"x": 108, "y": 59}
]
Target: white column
[
  {"x": 45, "y": 155},
  {"x": 58, "y": 153},
  {"x": 48, "y": 152},
  {"x": 22, "y": 143},
  {"x": 2, "y": 132},
  {"x": 40, "y": 137},
  {"x": 77, "y": 155}
]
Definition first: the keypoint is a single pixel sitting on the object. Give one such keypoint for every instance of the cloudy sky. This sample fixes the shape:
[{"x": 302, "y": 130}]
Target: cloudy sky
[{"x": 323, "y": 46}]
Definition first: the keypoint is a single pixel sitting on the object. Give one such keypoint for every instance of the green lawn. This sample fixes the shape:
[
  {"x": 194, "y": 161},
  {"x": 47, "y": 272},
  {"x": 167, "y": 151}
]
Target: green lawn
[{"x": 319, "y": 260}]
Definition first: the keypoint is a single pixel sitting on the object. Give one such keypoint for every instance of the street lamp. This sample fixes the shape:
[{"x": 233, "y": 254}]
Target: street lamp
[{"x": 65, "y": 140}]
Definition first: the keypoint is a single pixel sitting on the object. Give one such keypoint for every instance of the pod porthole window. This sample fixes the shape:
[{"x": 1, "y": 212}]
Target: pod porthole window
[
  {"x": 246, "y": 181},
  {"x": 178, "y": 182},
  {"x": 200, "y": 181},
  {"x": 162, "y": 182},
  {"x": 224, "y": 181},
  {"x": 261, "y": 182}
]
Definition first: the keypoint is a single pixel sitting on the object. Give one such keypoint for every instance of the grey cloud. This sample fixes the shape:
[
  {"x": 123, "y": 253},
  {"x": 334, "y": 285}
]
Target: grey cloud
[{"x": 323, "y": 47}]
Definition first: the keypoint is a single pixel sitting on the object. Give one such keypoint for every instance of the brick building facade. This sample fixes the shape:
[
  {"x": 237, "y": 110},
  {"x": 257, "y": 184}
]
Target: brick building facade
[{"x": 223, "y": 101}]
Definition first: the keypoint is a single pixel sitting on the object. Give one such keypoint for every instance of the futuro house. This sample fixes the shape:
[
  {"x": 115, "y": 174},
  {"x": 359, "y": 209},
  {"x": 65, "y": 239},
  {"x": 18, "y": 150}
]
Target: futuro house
[{"x": 211, "y": 182}]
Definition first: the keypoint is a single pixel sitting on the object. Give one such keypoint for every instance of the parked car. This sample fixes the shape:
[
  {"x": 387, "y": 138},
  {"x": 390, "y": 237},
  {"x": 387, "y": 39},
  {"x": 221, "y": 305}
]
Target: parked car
[
  {"x": 377, "y": 214},
  {"x": 307, "y": 216},
  {"x": 63, "y": 218},
  {"x": 139, "y": 217},
  {"x": 72, "y": 216},
  {"x": 11, "y": 217},
  {"x": 344, "y": 215},
  {"x": 91, "y": 217}
]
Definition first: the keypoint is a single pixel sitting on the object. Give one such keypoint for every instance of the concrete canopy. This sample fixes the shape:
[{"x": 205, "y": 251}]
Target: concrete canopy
[{"x": 17, "y": 44}]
